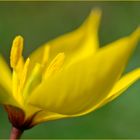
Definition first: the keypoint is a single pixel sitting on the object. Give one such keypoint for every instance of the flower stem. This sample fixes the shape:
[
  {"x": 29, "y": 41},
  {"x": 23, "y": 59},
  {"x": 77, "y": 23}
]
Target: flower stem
[{"x": 15, "y": 133}]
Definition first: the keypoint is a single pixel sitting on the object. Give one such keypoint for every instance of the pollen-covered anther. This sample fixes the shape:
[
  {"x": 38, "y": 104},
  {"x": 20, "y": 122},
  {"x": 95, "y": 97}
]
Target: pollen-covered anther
[
  {"x": 16, "y": 51},
  {"x": 55, "y": 65},
  {"x": 45, "y": 55},
  {"x": 24, "y": 73}
]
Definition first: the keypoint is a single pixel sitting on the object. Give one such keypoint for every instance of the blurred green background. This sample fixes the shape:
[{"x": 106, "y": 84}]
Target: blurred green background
[{"x": 39, "y": 22}]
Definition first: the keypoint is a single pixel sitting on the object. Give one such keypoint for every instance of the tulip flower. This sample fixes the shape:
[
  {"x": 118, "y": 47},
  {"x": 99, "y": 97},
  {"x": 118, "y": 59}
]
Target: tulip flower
[{"x": 67, "y": 77}]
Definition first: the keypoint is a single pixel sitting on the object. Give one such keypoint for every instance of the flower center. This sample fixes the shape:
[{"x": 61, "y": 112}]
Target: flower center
[{"x": 29, "y": 74}]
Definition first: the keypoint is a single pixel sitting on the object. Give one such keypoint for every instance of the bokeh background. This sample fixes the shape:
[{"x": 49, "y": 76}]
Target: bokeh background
[{"x": 39, "y": 22}]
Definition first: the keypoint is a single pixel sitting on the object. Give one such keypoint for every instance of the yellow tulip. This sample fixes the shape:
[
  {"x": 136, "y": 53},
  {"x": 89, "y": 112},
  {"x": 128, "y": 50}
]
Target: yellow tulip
[{"x": 67, "y": 77}]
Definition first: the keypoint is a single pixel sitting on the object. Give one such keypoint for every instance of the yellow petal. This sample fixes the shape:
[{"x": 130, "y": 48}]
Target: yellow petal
[
  {"x": 122, "y": 85},
  {"x": 5, "y": 81},
  {"x": 15, "y": 88},
  {"x": 39, "y": 116},
  {"x": 84, "y": 84},
  {"x": 84, "y": 39},
  {"x": 44, "y": 116},
  {"x": 16, "y": 51},
  {"x": 6, "y": 77},
  {"x": 6, "y": 96}
]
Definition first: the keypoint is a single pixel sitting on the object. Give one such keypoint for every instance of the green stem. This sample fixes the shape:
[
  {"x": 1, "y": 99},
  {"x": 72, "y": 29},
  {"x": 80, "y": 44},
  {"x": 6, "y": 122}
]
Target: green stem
[{"x": 15, "y": 133}]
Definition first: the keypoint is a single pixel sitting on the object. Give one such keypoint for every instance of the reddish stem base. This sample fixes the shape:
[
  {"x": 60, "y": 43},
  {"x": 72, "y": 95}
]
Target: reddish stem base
[{"x": 15, "y": 133}]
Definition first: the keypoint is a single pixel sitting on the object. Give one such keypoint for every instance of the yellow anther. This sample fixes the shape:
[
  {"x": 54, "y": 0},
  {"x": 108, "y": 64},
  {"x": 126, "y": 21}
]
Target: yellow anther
[
  {"x": 24, "y": 73},
  {"x": 45, "y": 55},
  {"x": 55, "y": 65},
  {"x": 16, "y": 51},
  {"x": 20, "y": 65}
]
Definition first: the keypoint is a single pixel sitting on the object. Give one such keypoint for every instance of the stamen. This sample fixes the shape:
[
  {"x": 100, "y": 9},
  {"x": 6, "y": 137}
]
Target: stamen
[
  {"x": 24, "y": 73},
  {"x": 55, "y": 65},
  {"x": 16, "y": 51},
  {"x": 20, "y": 66},
  {"x": 33, "y": 80},
  {"x": 45, "y": 55}
]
